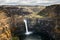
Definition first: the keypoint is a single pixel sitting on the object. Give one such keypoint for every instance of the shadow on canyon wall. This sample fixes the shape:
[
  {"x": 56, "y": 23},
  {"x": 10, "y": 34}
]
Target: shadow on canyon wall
[{"x": 45, "y": 27}]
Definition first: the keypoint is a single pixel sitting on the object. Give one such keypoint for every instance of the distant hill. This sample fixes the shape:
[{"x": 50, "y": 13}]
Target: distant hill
[{"x": 51, "y": 11}]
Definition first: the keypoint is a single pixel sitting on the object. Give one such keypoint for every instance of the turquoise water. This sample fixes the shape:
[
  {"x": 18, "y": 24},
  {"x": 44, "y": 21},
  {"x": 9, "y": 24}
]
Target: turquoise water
[{"x": 32, "y": 37}]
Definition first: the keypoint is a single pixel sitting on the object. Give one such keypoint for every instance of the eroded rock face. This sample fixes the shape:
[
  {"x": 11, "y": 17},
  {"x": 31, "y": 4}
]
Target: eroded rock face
[
  {"x": 53, "y": 12},
  {"x": 5, "y": 33}
]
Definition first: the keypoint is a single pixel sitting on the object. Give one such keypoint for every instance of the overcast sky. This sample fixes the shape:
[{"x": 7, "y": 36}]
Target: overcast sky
[{"x": 29, "y": 2}]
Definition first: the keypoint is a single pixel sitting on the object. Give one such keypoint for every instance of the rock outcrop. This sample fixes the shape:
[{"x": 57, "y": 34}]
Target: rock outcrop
[{"x": 5, "y": 33}]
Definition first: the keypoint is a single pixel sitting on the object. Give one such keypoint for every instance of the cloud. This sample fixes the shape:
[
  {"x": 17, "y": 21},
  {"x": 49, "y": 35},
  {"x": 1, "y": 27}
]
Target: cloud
[{"x": 29, "y": 2}]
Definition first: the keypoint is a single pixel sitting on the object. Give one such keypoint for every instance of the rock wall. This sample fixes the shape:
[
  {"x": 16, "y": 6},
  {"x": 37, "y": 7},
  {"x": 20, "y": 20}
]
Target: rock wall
[{"x": 5, "y": 33}]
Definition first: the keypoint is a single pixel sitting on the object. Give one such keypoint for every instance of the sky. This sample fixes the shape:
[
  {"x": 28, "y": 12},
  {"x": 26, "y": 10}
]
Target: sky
[{"x": 29, "y": 2}]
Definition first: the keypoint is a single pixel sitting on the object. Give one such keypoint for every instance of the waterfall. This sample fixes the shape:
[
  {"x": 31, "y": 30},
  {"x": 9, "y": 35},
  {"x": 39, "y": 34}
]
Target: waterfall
[{"x": 27, "y": 32}]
